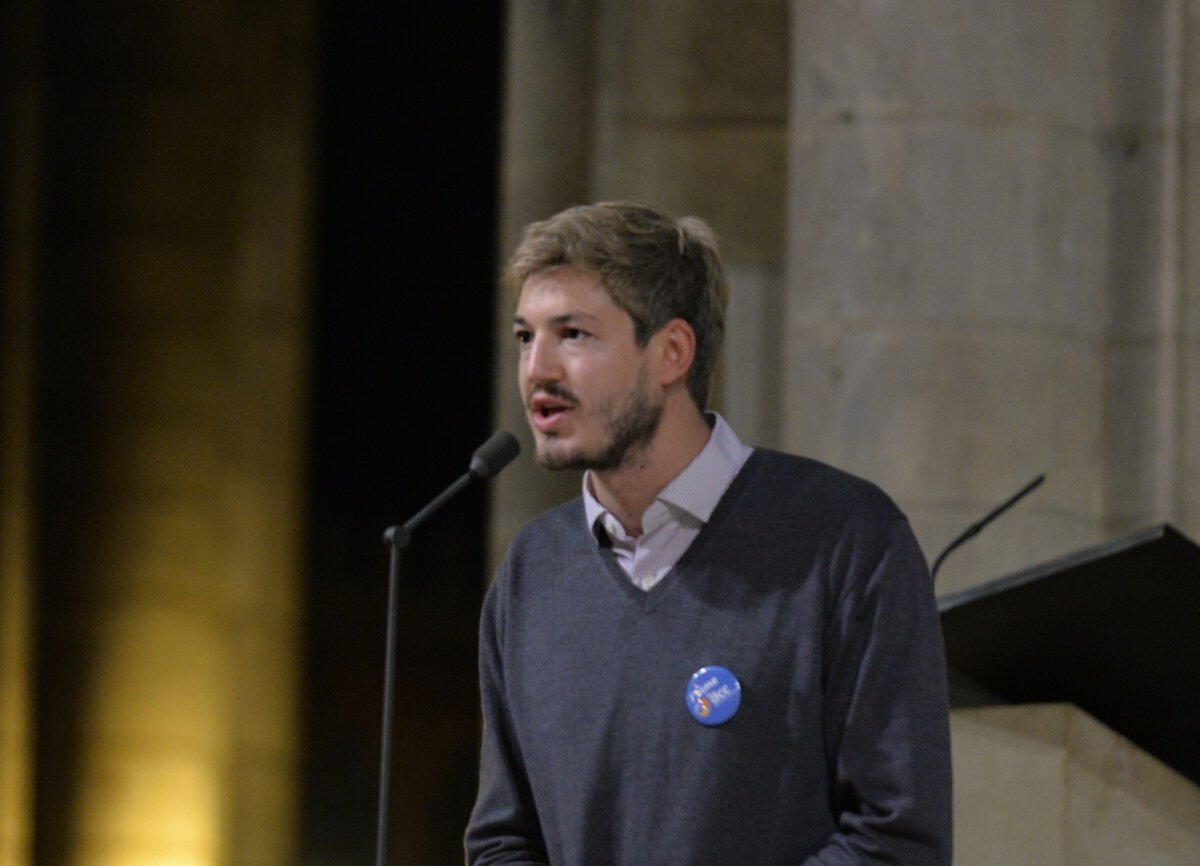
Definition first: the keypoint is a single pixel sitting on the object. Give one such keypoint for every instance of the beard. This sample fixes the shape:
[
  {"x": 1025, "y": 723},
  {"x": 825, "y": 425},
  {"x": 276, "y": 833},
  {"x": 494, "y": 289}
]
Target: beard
[{"x": 628, "y": 425}]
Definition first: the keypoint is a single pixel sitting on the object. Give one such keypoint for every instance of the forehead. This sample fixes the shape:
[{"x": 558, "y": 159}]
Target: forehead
[{"x": 565, "y": 291}]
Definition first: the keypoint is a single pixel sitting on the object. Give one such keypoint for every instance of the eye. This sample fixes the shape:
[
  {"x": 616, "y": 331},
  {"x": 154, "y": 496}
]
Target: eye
[
  {"x": 574, "y": 334},
  {"x": 522, "y": 335}
]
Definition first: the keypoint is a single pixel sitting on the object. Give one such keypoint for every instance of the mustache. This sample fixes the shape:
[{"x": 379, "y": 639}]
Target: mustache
[{"x": 551, "y": 390}]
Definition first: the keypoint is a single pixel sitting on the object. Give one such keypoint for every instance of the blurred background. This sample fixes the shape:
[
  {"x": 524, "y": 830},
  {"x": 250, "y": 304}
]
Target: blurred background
[
  {"x": 249, "y": 276},
  {"x": 250, "y": 319}
]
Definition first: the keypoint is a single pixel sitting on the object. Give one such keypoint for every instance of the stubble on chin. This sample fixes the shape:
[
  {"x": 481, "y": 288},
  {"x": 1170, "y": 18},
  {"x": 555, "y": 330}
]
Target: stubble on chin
[{"x": 628, "y": 429}]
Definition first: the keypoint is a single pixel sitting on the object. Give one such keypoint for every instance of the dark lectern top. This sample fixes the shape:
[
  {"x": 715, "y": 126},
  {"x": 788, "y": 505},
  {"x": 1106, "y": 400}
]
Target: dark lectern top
[{"x": 1114, "y": 629}]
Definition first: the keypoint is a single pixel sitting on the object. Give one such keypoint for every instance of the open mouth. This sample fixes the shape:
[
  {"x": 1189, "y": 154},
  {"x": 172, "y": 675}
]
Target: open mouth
[
  {"x": 546, "y": 411},
  {"x": 551, "y": 411}
]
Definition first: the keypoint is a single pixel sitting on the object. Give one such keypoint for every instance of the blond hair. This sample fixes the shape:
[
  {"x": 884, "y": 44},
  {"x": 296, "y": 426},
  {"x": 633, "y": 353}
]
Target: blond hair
[{"x": 655, "y": 267}]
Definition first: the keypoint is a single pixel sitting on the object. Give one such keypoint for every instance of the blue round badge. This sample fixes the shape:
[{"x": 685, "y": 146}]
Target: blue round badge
[{"x": 713, "y": 695}]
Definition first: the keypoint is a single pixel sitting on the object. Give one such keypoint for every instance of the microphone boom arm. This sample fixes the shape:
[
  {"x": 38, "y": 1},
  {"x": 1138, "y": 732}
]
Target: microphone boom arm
[
  {"x": 973, "y": 530},
  {"x": 492, "y": 456}
]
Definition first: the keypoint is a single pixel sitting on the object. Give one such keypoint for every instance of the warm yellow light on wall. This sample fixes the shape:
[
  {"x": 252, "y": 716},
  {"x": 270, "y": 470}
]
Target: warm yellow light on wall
[
  {"x": 16, "y": 525},
  {"x": 157, "y": 740},
  {"x": 15, "y": 803}
]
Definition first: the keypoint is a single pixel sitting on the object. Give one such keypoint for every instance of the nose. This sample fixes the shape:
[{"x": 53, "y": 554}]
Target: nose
[{"x": 540, "y": 362}]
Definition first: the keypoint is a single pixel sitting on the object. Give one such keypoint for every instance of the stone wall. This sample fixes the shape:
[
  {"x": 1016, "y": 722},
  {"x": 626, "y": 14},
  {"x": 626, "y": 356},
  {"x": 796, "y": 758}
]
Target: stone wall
[
  {"x": 155, "y": 256},
  {"x": 682, "y": 104},
  {"x": 958, "y": 235},
  {"x": 1048, "y": 784},
  {"x": 985, "y": 275}
]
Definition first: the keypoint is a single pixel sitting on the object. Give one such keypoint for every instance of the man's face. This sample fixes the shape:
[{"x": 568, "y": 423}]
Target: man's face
[{"x": 584, "y": 380}]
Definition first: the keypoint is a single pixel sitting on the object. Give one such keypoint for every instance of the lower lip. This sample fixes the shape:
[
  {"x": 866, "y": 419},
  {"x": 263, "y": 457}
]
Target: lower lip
[{"x": 549, "y": 423}]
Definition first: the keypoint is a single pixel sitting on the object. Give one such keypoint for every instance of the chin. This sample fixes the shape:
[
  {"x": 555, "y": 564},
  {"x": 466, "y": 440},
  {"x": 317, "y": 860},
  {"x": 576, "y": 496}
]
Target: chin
[
  {"x": 559, "y": 458},
  {"x": 556, "y": 454}
]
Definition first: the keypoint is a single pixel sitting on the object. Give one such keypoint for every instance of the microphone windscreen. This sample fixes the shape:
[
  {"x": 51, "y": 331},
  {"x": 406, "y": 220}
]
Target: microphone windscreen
[{"x": 493, "y": 455}]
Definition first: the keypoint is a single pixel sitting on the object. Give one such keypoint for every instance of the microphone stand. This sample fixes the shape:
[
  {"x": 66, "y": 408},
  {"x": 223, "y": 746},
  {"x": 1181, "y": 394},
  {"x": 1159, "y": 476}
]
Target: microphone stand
[
  {"x": 496, "y": 453},
  {"x": 397, "y": 538}
]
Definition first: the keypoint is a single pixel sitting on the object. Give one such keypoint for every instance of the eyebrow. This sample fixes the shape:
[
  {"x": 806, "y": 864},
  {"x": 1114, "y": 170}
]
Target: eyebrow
[{"x": 564, "y": 319}]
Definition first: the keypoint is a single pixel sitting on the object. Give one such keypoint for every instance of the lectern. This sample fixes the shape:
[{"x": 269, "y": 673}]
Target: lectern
[{"x": 1113, "y": 629}]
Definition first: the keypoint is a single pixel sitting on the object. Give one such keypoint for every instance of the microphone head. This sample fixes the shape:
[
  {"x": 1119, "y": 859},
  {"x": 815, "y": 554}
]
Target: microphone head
[{"x": 493, "y": 455}]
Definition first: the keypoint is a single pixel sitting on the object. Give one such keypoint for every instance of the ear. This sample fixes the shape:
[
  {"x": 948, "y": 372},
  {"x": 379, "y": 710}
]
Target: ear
[{"x": 675, "y": 351}]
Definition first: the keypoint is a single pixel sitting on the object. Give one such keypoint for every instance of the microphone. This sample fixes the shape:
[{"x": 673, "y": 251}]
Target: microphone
[
  {"x": 493, "y": 455},
  {"x": 498, "y": 451},
  {"x": 973, "y": 530}
]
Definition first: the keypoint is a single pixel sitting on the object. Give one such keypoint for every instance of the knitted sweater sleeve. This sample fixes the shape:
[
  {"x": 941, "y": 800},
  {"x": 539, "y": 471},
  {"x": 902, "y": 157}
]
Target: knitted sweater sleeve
[
  {"x": 504, "y": 826},
  {"x": 886, "y": 716}
]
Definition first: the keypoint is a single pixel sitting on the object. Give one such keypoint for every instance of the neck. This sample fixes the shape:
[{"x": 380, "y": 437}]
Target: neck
[{"x": 627, "y": 491}]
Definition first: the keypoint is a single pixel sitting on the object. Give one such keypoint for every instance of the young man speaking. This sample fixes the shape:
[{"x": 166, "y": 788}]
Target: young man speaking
[{"x": 718, "y": 654}]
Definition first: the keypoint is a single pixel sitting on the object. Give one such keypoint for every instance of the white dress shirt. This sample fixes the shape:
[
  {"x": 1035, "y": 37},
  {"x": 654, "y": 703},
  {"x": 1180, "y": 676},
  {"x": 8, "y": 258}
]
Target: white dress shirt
[{"x": 678, "y": 513}]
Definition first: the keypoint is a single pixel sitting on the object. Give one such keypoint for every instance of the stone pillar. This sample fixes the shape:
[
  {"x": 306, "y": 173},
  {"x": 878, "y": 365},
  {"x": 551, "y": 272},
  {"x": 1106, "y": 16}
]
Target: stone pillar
[
  {"x": 265, "y": 439},
  {"x": 19, "y": 128},
  {"x": 1186, "y": 67},
  {"x": 976, "y": 265},
  {"x": 1144, "y": 450},
  {"x": 546, "y": 143},
  {"x": 692, "y": 115},
  {"x": 172, "y": 289},
  {"x": 676, "y": 102}
]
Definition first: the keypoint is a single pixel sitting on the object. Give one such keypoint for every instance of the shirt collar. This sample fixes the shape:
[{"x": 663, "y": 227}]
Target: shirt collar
[{"x": 699, "y": 487}]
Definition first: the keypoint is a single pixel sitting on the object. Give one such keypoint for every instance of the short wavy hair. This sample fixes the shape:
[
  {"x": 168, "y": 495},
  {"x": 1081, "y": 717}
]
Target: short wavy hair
[{"x": 655, "y": 267}]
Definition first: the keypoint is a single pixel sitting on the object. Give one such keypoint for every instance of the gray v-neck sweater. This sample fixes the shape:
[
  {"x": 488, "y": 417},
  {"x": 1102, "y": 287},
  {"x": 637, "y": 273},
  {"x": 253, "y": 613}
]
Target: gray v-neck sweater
[{"x": 809, "y": 586}]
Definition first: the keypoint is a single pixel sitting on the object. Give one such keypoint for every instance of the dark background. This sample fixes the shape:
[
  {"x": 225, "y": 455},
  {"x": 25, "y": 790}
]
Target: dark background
[{"x": 402, "y": 366}]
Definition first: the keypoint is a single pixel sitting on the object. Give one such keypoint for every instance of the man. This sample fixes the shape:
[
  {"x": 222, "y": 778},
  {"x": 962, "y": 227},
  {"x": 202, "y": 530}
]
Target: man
[{"x": 717, "y": 654}]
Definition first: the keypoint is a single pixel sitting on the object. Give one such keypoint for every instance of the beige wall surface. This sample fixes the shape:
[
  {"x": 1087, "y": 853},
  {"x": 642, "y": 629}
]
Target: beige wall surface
[
  {"x": 958, "y": 236},
  {"x": 1048, "y": 784}
]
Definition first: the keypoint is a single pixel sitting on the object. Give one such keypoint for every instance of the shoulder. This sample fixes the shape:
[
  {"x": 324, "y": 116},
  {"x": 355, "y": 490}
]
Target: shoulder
[
  {"x": 549, "y": 544},
  {"x": 563, "y": 526},
  {"x": 813, "y": 491},
  {"x": 860, "y": 536},
  {"x": 830, "y": 521}
]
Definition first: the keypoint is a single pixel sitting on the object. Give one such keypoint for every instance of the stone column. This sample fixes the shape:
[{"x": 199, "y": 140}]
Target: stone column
[
  {"x": 1144, "y": 445},
  {"x": 172, "y": 287},
  {"x": 975, "y": 267},
  {"x": 547, "y": 144},
  {"x": 265, "y": 438},
  {"x": 692, "y": 115},
  {"x": 19, "y": 128},
  {"x": 1186, "y": 67},
  {"x": 676, "y": 102}
]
